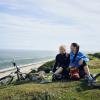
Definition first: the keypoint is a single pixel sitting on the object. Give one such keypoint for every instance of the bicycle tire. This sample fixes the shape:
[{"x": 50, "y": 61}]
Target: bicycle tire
[
  {"x": 97, "y": 83},
  {"x": 6, "y": 80}
]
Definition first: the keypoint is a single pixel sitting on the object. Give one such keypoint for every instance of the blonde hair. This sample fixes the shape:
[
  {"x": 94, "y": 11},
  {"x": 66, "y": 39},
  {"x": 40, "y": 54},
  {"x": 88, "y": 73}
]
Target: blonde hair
[{"x": 63, "y": 47}]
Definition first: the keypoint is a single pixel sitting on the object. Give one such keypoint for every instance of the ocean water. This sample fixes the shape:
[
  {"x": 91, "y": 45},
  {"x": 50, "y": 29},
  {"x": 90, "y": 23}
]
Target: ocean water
[{"x": 22, "y": 57}]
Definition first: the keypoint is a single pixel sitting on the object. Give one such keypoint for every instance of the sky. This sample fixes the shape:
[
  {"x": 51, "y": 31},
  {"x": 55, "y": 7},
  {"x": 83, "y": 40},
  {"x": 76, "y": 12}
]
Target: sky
[{"x": 46, "y": 24}]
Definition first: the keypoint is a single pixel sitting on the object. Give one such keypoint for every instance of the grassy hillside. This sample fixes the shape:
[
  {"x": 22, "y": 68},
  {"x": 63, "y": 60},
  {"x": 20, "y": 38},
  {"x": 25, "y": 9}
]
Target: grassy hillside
[
  {"x": 74, "y": 90},
  {"x": 52, "y": 91}
]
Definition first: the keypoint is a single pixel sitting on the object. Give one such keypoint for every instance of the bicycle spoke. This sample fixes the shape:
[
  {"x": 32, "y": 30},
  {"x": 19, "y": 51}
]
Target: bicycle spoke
[{"x": 6, "y": 80}]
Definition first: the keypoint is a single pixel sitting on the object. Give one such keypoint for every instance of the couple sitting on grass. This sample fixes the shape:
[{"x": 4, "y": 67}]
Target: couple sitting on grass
[{"x": 71, "y": 66}]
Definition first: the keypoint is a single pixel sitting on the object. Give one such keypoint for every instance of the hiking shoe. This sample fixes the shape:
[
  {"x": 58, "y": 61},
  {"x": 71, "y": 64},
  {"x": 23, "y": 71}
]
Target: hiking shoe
[{"x": 90, "y": 80}]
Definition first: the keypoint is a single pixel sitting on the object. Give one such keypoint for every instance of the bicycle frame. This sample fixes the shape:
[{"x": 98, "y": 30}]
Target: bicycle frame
[{"x": 17, "y": 71}]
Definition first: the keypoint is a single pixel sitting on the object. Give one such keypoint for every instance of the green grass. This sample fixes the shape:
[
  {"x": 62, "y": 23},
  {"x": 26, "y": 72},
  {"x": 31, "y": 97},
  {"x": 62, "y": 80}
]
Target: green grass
[{"x": 73, "y": 90}]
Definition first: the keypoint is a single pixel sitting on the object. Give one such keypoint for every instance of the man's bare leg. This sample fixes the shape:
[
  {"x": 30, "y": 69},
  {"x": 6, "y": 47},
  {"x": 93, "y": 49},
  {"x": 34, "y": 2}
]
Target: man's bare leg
[
  {"x": 88, "y": 76},
  {"x": 87, "y": 71},
  {"x": 59, "y": 70}
]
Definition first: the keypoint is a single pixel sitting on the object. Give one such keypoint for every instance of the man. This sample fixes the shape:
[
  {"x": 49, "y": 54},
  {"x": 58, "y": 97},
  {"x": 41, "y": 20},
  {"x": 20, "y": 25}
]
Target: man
[{"x": 78, "y": 63}]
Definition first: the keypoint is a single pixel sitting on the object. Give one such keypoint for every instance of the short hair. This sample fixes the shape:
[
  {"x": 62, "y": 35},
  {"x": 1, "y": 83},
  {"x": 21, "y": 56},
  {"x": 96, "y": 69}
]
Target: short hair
[{"x": 63, "y": 46}]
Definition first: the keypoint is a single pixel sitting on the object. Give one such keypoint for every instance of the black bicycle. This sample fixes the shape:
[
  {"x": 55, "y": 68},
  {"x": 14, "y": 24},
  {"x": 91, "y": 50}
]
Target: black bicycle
[{"x": 17, "y": 75}]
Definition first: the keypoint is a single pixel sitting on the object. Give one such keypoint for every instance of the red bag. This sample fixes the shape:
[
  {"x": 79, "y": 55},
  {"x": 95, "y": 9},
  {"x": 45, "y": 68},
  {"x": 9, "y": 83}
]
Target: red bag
[{"x": 74, "y": 73}]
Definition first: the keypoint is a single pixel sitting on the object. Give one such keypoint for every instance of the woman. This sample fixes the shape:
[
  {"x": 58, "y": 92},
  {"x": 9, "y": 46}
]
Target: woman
[
  {"x": 79, "y": 61},
  {"x": 61, "y": 63}
]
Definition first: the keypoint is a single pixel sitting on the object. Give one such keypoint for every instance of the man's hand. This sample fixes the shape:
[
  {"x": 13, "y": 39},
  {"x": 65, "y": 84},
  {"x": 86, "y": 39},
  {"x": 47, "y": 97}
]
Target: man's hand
[{"x": 81, "y": 62}]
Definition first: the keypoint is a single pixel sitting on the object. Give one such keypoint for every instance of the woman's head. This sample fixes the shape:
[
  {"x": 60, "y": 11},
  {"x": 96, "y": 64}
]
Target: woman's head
[
  {"x": 74, "y": 47},
  {"x": 62, "y": 49}
]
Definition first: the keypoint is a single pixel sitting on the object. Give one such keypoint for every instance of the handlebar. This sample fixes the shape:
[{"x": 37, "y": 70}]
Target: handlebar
[{"x": 15, "y": 65}]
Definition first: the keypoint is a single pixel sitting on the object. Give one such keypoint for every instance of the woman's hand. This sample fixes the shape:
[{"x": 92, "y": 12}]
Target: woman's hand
[{"x": 81, "y": 62}]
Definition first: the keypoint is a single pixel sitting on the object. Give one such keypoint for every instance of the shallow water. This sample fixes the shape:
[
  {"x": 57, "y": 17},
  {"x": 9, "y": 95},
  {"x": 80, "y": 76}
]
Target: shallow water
[{"x": 22, "y": 57}]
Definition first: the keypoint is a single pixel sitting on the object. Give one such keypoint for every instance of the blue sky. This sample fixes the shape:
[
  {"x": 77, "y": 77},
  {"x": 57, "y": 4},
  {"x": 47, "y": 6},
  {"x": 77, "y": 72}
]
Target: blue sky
[{"x": 46, "y": 24}]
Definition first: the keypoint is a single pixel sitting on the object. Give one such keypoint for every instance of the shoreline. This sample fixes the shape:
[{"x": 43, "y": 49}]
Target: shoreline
[{"x": 23, "y": 68}]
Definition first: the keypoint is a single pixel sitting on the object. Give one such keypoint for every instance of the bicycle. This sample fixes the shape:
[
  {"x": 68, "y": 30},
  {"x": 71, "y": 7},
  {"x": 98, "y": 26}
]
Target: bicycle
[{"x": 20, "y": 76}]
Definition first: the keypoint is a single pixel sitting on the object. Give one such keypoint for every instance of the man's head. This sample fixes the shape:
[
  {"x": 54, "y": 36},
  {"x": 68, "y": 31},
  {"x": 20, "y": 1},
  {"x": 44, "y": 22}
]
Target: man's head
[
  {"x": 62, "y": 49},
  {"x": 74, "y": 47}
]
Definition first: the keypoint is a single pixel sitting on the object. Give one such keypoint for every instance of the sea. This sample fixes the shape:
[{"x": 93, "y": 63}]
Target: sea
[{"x": 23, "y": 57}]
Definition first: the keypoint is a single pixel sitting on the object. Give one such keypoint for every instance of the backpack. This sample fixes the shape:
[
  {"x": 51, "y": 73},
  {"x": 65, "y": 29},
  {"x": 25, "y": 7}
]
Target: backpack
[{"x": 74, "y": 73}]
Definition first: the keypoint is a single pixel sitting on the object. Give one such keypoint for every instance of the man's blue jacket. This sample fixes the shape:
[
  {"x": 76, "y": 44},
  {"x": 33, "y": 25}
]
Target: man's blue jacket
[{"x": 79, "y": 56}]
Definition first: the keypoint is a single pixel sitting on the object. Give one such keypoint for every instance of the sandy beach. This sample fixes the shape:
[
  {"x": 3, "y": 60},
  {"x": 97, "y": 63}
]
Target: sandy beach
[{"x": 24, "y": 68}]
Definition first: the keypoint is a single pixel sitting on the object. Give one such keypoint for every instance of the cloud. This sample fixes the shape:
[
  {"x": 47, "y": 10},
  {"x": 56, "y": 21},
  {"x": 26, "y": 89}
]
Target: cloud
[{"x": 51, "y": 22}]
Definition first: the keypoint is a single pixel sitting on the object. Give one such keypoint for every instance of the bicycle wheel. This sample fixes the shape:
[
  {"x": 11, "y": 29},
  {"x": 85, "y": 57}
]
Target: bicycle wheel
[
  {"x": 6, "y": 80},
  {"x": 33, "y": 77},
  {"x": 97, "y": 83}
]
